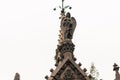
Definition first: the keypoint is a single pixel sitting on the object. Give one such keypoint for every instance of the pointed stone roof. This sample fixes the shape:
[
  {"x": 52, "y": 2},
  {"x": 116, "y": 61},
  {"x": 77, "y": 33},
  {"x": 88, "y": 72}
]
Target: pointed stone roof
[{"x": 68, "y": 65}]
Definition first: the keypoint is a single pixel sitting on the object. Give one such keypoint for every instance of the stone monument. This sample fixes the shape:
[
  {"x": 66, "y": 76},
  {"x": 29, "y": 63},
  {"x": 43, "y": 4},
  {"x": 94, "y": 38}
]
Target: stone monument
[{"x": 66, "y": 67}]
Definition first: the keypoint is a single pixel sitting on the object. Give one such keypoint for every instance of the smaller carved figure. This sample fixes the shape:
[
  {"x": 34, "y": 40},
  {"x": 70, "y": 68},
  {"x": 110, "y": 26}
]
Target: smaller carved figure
[
  {"x": 17, "y": 76},
  {"x": 58, "y": 57},
  {"x": 115, "y": 67}
]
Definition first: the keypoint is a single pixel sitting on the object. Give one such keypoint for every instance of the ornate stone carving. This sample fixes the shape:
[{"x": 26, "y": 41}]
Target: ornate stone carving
[
  {"x": 68, "y": 75},
  {"x": 17, "y": 76},
  {"x": 66, "y": 47},
  {"x": 66, "y": 68},
  {"x": 61, "y": 49},
  {"x": 116, "y": 69},
  {"x": 68, "y": 25}
]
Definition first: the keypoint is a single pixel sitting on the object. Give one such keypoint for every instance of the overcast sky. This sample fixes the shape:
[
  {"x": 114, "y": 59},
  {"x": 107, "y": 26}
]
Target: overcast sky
[{"x": 29, "y": 32}]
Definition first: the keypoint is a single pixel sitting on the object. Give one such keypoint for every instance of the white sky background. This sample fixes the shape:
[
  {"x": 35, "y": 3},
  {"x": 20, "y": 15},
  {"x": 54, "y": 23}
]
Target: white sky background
[{"x": 29, "y": 32}]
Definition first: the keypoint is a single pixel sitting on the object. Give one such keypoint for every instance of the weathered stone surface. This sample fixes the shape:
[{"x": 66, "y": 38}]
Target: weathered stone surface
[
  {"x": 116, "y": 69},
  {"x": 17, "y": 76},
  {"x": 68, "y": 25},
  {"x": 66, "y": 68}
]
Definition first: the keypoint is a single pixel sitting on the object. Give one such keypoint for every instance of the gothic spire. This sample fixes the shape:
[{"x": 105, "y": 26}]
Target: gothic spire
[
  {"x": 67, "y": 27},
  {"x": 66, "y": 67}
]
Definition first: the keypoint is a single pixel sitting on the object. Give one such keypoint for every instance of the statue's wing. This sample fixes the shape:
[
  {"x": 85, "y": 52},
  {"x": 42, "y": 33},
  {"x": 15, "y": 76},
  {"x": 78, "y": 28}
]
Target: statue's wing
[{"x": 73, "y": 22}]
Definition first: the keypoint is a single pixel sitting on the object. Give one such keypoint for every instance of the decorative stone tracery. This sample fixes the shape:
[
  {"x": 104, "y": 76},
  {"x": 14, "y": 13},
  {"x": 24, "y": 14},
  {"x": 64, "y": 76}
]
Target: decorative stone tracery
[
  {"x": 68, "y": 75},
  {"x": 62, "y": 49}
]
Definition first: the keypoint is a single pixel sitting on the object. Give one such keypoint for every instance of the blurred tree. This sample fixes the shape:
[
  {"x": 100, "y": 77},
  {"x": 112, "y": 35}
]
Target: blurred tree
[{"x": 94, "y": 72}]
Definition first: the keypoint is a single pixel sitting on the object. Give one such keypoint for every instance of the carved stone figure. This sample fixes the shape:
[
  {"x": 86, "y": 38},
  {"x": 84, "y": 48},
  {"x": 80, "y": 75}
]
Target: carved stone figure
[
  {"x": 58, "y": 58},
  {"x": 68, "y": 25},
  {"x": 116, "y": 69}
]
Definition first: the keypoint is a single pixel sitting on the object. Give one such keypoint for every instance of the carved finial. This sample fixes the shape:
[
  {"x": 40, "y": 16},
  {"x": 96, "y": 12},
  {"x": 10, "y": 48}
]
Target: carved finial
[
  {"x": 46, "y": 77},
  {"x": 17, "y": 76},
  {"x": 84, "y": 69},
  {"x": 79, "y": 64},
  {"x": 115, "y": 67},
  {"x": 51, "y": 70}
]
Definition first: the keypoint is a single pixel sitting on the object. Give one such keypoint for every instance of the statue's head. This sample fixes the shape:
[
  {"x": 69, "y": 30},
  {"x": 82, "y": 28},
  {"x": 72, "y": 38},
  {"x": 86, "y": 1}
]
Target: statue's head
[{"x": 68, "y": 15}]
